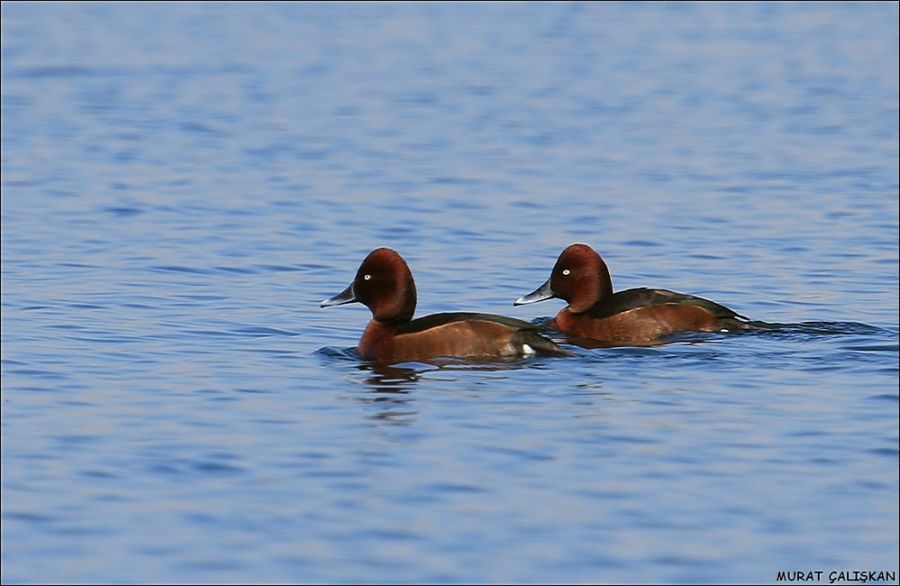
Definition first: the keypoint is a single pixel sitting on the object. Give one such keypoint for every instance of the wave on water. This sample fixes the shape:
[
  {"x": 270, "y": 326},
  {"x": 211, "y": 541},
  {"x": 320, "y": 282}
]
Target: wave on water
[
  {"x": 819, "y": 328},
  {"x": 349, "y": 353}
]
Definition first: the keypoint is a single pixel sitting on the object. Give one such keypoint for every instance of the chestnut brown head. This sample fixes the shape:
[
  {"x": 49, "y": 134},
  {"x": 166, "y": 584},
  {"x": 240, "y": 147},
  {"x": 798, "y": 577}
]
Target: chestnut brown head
[
  {"x": 579, "y": 277},
  {"x": 384, "y": 284}
]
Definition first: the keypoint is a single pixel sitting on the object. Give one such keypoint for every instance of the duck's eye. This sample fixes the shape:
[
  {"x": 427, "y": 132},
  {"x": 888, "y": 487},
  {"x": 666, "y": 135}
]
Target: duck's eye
[
  {"x": 367, "y": 277},
  {"x": 566, "y": 272}
]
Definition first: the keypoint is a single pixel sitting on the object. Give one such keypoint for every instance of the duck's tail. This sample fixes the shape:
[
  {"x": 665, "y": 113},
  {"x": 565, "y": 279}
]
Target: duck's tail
[{"x": 539, "y": 344}]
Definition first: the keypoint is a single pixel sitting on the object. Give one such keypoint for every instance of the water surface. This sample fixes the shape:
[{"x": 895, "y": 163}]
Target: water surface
[{"x": 184, "y": 183}]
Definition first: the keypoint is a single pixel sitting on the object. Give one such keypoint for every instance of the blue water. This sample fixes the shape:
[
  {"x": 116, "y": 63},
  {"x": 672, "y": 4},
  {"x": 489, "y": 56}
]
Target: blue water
[{"x": 182, "y": 184}]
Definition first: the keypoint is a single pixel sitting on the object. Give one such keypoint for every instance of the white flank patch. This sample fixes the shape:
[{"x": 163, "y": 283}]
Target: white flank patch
[{"x": 526, "y": 349}]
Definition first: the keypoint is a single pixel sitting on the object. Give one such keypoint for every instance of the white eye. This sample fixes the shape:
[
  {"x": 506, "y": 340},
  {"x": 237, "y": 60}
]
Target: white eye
[
  {"x": 566, "y": 272},
  {"x": 367, "y": 277}
]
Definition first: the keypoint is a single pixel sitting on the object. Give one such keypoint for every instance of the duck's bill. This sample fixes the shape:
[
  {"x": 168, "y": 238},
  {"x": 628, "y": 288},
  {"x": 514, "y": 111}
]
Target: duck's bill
[
  {"x": 542, "y": 293},
  {"x": 345, "y": 296}
]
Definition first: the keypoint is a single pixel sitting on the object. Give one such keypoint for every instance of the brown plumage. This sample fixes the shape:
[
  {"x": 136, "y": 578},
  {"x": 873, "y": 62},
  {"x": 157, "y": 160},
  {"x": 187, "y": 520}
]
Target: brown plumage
[
  {"x": 631, "y": 317},
  {"x": 385, "y": 285}
]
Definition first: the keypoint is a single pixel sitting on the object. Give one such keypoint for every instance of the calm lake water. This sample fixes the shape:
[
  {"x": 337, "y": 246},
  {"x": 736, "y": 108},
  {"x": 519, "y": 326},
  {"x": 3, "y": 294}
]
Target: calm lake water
[{"x": 184, "y": 183}]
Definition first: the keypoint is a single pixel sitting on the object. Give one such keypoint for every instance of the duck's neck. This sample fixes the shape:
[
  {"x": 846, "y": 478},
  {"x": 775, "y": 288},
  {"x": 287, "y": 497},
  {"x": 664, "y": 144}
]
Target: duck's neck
[{"x": 606, "y": 288}]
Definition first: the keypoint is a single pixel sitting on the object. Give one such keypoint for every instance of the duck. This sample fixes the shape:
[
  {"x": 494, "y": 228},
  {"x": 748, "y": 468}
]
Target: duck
[
  {"x": 384, "y": 284},
  {"x": 640, "y": 316}
]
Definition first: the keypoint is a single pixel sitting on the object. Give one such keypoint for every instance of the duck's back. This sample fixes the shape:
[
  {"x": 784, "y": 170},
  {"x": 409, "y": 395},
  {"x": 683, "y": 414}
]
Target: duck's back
[{"x": 644, "y": 297}]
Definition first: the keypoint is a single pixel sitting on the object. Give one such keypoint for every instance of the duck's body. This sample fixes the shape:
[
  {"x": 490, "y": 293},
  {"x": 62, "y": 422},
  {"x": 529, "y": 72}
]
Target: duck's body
[
  {"x": 465, "y": 335},
  {"x": 385, "y": 285},
  {"x": 637, "y": 316},
  {"x": 631, "y": 317}
]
